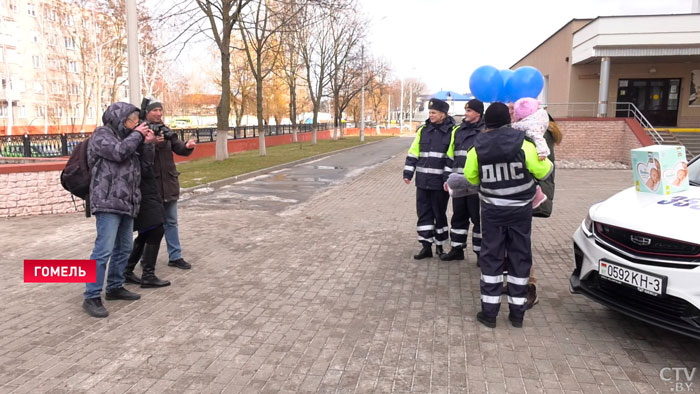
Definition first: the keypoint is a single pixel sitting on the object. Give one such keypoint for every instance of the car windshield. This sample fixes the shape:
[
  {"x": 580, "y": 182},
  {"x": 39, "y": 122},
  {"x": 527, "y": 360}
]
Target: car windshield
[{"x": 694, "y": 172}]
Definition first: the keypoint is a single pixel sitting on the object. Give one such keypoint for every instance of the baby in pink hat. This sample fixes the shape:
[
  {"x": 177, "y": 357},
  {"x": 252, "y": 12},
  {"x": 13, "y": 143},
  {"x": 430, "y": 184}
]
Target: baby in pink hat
[{"x": 528, "y": 117}]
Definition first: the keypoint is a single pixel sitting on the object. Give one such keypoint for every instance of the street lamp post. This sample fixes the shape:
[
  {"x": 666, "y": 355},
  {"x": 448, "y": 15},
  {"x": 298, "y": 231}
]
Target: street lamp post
[
  {"x": 132, "y": 33},
  {"x": 410, "y": 108},
  {"x": 362, "y": 99},
  {"x": 401, "y": 108}
]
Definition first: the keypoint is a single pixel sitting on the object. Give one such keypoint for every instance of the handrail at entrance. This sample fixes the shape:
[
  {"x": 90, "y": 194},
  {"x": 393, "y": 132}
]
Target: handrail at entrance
[{"x": 590, "y": 109}]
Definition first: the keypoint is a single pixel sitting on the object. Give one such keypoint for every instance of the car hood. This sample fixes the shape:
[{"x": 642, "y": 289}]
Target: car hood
[{"x": 674, "y": 216}]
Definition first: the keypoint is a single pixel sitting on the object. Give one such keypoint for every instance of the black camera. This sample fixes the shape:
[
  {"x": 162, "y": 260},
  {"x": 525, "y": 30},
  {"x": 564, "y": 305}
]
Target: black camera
[{"x": 158, "y": 128}]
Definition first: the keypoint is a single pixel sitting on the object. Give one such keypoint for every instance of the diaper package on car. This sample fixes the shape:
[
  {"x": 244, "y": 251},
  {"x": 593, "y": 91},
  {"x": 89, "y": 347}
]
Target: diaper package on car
[{"x": 660, "y": 169}]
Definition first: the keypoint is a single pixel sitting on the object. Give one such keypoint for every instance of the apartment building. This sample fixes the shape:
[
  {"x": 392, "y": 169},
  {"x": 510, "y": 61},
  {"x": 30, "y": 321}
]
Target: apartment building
[{"x": 60, "y": 66}]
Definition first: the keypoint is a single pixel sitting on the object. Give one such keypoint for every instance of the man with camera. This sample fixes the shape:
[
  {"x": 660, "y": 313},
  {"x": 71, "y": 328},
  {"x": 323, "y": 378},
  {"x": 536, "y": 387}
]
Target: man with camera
[{"x": 166, "y": 176}]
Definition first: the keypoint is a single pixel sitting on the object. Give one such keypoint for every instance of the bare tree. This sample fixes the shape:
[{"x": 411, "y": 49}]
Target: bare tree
[
  {"x": 315, "y": 48},
  {"x": 222, "y": 16},
  {"x": 291, "y": 66},
  {"x": 260, "y": 27},
  {"x": 346, "y": 64},
  {"x": 377, "y": 75}
]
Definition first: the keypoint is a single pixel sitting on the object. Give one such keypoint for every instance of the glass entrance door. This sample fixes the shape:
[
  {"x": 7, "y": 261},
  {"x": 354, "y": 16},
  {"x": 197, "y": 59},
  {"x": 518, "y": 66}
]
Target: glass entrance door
[{"x": 657, "y": 99}]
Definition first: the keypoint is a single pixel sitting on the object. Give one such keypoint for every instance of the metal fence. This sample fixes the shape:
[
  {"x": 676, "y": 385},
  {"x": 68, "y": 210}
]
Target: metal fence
[{"x": 58, "y": 145}]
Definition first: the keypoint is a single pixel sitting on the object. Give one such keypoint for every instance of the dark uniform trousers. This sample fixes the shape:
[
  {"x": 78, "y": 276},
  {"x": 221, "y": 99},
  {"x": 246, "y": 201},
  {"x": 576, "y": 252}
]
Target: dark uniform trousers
[
  {"x": 431, "y": 206},
  {"x": 513, "y": 239},
  {"x": 465, "y": 209}
]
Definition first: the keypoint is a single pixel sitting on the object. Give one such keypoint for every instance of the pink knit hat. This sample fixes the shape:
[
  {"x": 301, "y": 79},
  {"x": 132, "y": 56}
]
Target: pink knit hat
[{"x": 525, "y": 107}]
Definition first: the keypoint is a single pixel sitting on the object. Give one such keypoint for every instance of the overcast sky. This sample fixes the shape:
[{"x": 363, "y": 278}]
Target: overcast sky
[{"x": 442, "y": 41}]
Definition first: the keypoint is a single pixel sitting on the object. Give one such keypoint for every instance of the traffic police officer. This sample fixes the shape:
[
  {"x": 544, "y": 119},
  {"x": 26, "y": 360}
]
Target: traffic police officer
[
  {"x": 505, "y": 166},
  {"x": 465, "y": 208},
  {"x": 429, "y": 158}
]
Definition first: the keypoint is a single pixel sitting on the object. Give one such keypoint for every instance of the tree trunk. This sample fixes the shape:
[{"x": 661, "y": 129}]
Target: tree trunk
[
  {"x": 261, "y": 123},
  {"x": 293, "y": 111},
  {"x": 224, "y": 108}
]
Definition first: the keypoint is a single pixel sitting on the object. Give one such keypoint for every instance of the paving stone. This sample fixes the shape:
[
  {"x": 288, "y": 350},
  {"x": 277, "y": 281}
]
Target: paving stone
[{"x": 323, "y": 297}]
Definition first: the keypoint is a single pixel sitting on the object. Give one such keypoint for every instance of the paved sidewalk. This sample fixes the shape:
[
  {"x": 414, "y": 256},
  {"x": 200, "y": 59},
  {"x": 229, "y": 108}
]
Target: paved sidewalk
[{"x": 324, "y": 297}]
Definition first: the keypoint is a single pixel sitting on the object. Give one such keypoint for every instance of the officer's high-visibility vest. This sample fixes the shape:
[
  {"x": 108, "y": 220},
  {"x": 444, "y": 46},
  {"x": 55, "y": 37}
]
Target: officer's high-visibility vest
[{"x": 430, "y": 156}]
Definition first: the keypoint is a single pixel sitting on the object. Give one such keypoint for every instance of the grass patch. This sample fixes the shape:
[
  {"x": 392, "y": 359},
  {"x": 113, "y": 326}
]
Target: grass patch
[{"x": 198, "y": 172}]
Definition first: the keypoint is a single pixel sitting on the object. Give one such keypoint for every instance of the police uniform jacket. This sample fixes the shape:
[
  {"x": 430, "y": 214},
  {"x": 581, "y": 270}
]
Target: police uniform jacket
[
  {"x": 430, "y": 156},
  {"x": 505, "y": 166},
  {"x": 463, "y": 138}
]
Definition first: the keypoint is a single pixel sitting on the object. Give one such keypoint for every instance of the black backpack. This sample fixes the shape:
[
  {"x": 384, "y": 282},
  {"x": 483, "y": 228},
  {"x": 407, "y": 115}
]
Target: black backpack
[{"x": 75, "y": 177}]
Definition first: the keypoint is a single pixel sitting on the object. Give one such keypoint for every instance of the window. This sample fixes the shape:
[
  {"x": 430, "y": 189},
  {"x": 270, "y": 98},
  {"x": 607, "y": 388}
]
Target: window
[
  {"x": 50, "y": 39},
  {"x": 12, "y": 5},
  {"x": 3, "y": 110},
  {"x": 91, "y": 112},
  {"x": 40, "y": 110},
  {"x": 53, "y": 63},
  {"x": 70, "y": 42},
  {"x": 76, "y": 112},
  {"x": 31, "y": 10},
  {"x": 72, "y": 66},
  {"x": 36, "y": 61},
  {"x": 111, "y": 72},
  {"x": 73, "y": 89},
  {"x": 22, "y": 109},
  {"x": 51, "y": 15},
  {"x": 35, "y": 37},
  {"x": 38, "y": 87}
]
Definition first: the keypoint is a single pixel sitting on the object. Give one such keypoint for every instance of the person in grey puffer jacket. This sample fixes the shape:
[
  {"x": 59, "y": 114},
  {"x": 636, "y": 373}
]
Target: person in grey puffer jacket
[{"x": 114, "y": 199}]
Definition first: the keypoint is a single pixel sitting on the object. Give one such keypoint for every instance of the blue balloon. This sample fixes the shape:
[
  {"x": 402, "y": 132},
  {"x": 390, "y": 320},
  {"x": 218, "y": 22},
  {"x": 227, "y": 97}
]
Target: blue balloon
[
  {"x": 486, "y": 83},
  {"x": 525, "y": 82},
  {"x": 505, "y": 75}
]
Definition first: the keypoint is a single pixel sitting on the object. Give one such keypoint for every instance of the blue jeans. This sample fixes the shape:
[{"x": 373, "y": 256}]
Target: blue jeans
[
  {"x": 115, "y": 240},
  {"x": 172, "y": 239}
]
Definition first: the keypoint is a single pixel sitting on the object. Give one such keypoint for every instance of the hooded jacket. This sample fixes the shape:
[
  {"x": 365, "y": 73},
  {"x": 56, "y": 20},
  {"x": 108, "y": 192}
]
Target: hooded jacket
[{"x": 114, "y": 164}]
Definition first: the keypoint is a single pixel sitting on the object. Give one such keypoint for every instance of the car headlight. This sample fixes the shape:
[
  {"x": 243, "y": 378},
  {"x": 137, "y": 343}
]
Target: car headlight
[{"x": 587, "y": 225}]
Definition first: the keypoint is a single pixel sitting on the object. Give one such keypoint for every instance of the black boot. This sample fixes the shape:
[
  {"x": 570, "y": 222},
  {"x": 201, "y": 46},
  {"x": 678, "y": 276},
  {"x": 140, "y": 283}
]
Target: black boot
[
  {"x": 426, "y": 252},
  {"x": 149, "y": 278},
  {"x": 438, "y": 251},
  {"x": 134, "y": 257},
  {"x": 456, "y": 253}
]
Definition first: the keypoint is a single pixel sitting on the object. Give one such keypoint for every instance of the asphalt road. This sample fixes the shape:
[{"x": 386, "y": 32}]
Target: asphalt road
[{"x": 283, "y": 189}]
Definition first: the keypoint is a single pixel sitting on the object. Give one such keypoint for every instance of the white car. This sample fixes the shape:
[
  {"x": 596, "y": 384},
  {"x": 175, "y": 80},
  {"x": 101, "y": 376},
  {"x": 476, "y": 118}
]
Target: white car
[{"x": 639, "y": 253}]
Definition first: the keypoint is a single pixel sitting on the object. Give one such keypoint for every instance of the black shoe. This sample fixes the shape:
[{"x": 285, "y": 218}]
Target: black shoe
[
  {"x": 94, "y": 307},
  {"x": 486, "y": 320},
  {"x": 180, "y": 263},
  {"x": 121, "y": 294},
  {"x": 517, "y": 323},
  {"x": 532, "y": 299},
  {"x": 130, "y": 277},
  {"x": 455, "y": 253},
  {"x": 426, "y": 252},
  {"x": 438, "y": 250},
  {"x": 150, "y": 281}
]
